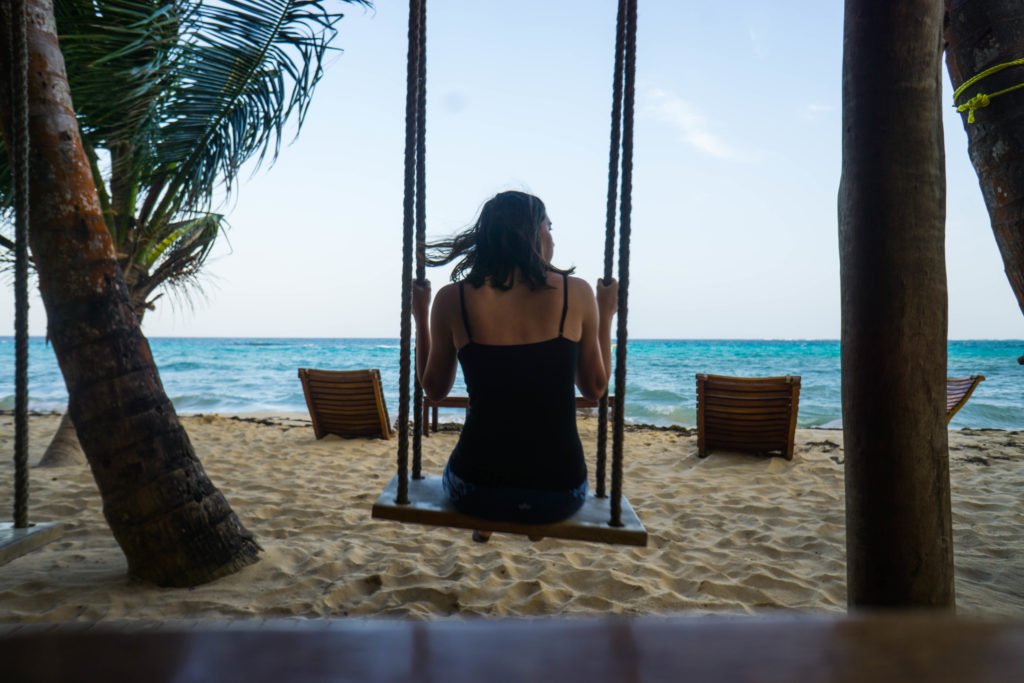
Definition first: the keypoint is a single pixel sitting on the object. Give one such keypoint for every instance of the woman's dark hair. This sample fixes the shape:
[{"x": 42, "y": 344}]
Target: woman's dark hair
[{"x": 505, "y": 237}]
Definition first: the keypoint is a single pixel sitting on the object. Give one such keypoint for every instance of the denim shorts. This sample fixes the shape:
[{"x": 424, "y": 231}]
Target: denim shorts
[{"x": 511, "y": 504}]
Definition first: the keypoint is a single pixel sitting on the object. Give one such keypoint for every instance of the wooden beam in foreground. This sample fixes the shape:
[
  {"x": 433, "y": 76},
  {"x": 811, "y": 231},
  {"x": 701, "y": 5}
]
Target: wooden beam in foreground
[{"x": 897, "y": 647}]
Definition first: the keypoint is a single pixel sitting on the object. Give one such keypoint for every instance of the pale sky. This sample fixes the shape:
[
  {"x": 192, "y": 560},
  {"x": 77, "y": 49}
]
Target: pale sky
[{"x": 736, "y": 174}]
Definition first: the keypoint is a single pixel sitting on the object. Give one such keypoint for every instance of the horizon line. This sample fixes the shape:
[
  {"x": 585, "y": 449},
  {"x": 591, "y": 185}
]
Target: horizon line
[{"x": 644, "y": 339}]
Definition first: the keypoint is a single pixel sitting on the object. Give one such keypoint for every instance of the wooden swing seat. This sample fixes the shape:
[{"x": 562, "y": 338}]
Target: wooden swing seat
[
  {"x": 16, "y": 542},
  {"x": 429, "y": 505}
]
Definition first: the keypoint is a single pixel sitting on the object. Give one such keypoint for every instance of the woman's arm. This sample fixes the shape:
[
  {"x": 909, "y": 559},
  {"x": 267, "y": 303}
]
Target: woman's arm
[
  {"x": 435, "y": 348},
  {"x": 607, "y": 307},
  {"x": 595, "y": 363}
]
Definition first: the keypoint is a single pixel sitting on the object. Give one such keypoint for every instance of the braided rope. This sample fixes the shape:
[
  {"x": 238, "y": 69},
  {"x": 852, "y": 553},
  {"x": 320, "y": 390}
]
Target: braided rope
[
  {"x": 982, "y": 99},
  {"x": 625, "y": 210},
  {"x": 412, "y": 71},
  {"x": 20, "y": 148},
  {"x": 609, "y": 224},
  {"x": 421, "y": 224}
]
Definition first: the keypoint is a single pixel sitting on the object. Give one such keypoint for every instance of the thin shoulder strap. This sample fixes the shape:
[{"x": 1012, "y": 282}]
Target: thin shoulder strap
[
  {"x": 465, "y": 316},
  {"x": 565, "y": 302}
]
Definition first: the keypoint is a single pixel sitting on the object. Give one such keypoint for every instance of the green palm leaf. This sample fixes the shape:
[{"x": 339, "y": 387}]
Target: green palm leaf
[
  {"x": 121, "y": 57},
  {"x": 249, "y": 68},
  {"x": 175, "y": 97},
  {"x": 176, "y": 260},
  {"x": 195, "y": 235},
  {"x": 179, "y": 258}
]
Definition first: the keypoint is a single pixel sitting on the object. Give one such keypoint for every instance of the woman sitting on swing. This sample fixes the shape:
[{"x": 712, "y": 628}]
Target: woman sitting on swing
[{"x": 525, "y": 333}]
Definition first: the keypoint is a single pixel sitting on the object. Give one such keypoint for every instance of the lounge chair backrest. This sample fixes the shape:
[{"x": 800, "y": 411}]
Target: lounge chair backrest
[
  {"x": 751, "y": 414},
  {"x": 345, "y": 402},
  {"x": 958, "y": 390}
]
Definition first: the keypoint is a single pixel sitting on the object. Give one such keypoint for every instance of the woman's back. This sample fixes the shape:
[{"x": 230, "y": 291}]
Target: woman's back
[
  {"x": 521, "y": 426},
  {"x": 520, "y": 315}
]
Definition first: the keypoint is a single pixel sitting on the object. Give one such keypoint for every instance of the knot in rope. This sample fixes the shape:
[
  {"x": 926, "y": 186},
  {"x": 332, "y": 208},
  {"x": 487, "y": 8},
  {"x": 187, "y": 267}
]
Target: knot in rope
[
  {"x": 982, "y": 100},
  {"x": 979, "y": 101}
]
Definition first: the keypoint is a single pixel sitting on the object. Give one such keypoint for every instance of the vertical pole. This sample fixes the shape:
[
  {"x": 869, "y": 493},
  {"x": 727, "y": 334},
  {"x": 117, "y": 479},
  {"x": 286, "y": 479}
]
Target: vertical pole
[{"x": 893, "y": 281}]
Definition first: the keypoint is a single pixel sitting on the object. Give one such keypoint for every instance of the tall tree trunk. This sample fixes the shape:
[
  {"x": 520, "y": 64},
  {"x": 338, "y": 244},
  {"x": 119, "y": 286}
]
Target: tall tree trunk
[
  {"x": 893, "y": 280},
  {"x": 979, "y": 35},
  {"x": 64, "y": 449},
  {"x": 174, "y": 526}
]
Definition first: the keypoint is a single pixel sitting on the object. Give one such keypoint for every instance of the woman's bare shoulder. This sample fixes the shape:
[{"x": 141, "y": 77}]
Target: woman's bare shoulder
[
  {"x": 449, "y": 290},
  {"x": 447, "y": 297},
  {"x": 580, "y": 287}
]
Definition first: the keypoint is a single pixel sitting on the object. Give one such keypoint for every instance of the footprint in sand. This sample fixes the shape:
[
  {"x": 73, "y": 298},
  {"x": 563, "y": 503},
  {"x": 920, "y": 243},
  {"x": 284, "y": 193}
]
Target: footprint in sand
[{"x": 352, "y": 592}]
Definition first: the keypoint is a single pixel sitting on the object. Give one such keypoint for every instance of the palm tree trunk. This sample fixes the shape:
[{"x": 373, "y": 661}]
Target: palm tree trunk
[
  {"x": 64, "y": 449},
  {"x": 893, "y": 280},
  {"x": 174, "y": 527},
  {"x": 979, "y": 35}
]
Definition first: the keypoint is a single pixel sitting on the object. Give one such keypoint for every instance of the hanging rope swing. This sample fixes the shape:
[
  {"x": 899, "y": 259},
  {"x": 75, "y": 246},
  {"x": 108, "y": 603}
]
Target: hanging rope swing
[
  {"x": 20, "y": 537},
  {"x": 421, "y": 500}
]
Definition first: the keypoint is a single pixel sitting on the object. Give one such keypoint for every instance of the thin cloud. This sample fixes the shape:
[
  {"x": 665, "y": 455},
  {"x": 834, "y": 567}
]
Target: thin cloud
[
  {"x": 692, "y": 127},
  {"x": 814, "y": 111},
  {"x": 755, "y": 43}
]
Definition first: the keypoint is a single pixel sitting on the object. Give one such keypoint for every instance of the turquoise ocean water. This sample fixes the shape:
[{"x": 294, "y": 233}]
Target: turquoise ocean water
[{"x": 250, "y": 375}]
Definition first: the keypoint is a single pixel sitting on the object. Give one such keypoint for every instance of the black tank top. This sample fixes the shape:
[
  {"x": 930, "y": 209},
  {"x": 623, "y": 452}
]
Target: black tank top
[{"x": 520, "y": 429}]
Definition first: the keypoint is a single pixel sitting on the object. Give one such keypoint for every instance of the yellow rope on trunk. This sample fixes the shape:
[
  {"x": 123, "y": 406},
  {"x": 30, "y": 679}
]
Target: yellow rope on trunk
[{"x": 982, "y": 100}]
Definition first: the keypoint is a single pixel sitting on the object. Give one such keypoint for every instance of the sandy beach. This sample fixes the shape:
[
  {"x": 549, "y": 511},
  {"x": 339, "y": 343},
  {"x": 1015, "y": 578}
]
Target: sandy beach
[{"x": 730, "y": 534}]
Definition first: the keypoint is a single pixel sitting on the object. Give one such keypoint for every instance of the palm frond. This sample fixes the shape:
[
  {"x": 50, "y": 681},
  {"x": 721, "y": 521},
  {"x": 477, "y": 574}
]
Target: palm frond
[
  {"x": 6, "y": 243},
  {"x": 249, "y": 69},
  {"x": 121, "y": 57},
  {"x": 181, "y": 94},
  {"x": 184, "y": 249},
  {"x": 193, "y": 235},
  {"x": 6, "y": 181},
  {"x": 175, "y": 261}
]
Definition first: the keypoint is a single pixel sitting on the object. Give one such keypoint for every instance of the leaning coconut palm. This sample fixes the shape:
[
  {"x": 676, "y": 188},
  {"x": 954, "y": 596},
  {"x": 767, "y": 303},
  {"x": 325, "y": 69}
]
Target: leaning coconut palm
[
  {"x": 255, "y": 67},
  {"x": 988, "y": 36},
  {"x": 172, "y": 99}
]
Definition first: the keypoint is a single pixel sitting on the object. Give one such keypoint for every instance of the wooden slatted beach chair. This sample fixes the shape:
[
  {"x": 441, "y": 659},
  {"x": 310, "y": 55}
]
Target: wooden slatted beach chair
[
  {"x": 958, "y": 391},
  {"x": 346, "y": 402},
  {"x": 749, "y": 414}
]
